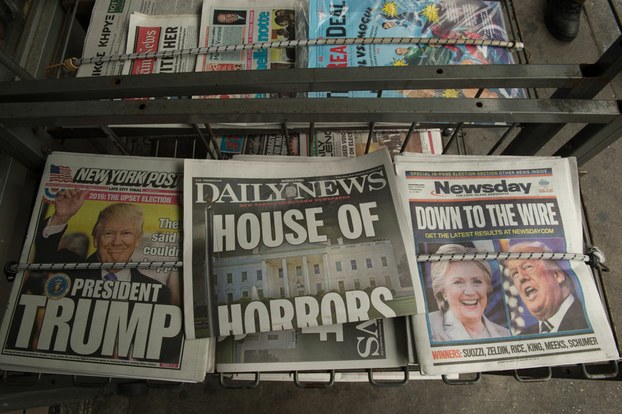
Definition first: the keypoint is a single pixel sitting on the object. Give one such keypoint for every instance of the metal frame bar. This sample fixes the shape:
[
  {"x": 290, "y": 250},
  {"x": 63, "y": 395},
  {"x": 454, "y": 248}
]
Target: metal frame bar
[
  {"x": 294, "y": 80},
  {"x": 191, "y": 111},
  {"x": 598, "y": 75}
]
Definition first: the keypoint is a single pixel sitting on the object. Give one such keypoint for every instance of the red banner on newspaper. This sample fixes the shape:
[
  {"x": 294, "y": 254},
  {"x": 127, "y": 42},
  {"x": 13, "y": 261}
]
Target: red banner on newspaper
[{"x": 147, "y": 40}]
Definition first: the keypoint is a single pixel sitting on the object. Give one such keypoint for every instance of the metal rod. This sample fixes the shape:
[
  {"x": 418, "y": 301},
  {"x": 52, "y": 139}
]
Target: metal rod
[
  {"x": 408, "y": 136},
  {"x": 453, "y": 137},
  {"x": 286, "y": 134},
  {"x": 501, "y": 140},
  {"x": 114, "y": 138},
  {"x": 210, "y": 152},
  {"x": 15, "y": 267},
  {"x": 311, "y": 139},
  {"x": 190, "y": 111},
  {"x": 67, "y": 35},
  {"x": 212, "y": 139},
  {"x": 73, "y": 63},
  {"x": 292, "y": 80},
  {"x": 14, "y": 67}
]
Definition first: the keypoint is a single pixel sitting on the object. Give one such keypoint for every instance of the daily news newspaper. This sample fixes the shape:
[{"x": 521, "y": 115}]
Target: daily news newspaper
[
  {"x": 108, "y": 29},
  {"x": 115, "y": 322},
  {"x": 161, "y": 33},
  {"x": 376, "y": 343},
  {"x": 318, "y": 243},
  {"x": 507, "y": 314},
  {"x": 461, "y": 19}
]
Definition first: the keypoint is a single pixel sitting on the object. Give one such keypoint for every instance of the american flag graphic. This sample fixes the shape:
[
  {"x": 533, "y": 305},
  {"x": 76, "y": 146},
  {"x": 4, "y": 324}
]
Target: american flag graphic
[{"x": 60, "y": 174}]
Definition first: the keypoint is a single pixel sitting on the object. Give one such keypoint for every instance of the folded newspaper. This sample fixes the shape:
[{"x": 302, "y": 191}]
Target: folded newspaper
[
  {"x": 379, "y": 343},
  {"x": 109, "y": 26},
  {"x": 354, "y": 143},
  {"x": 161, "y": 33},
  {"x": 239, "y": 22},
  {"x": 507, "y": 314},
  {"x": 120, "y": 321},
  {"x": 317, "y": 243}
]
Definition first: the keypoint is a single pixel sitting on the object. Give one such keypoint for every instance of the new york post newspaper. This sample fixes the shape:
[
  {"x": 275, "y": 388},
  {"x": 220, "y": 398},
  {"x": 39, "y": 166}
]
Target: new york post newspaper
[
  {"x": 295, "y": 245},
  {"x": 118, "y": 321},
  {"x": 507, "y": 314}
]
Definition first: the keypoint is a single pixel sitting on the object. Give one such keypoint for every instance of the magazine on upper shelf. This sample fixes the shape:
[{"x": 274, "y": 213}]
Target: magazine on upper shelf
[
  {"x": 161, "y": 33},
  {"x": 121, "y": 322},
  {"x": 461, "y": 19},
  {"x": 376, "y": 343},
  {"x": 501, "y": 314},
  {"x": 239, "y": 22},
  {"x": 354, "y": 143},
  {"x": 317, "y": 243},
  {"x": 108, "y": 29}
]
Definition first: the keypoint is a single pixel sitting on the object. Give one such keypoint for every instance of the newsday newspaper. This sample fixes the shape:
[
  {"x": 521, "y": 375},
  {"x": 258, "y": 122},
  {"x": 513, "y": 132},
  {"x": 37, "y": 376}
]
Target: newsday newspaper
[
  {"x": 318, "y": 243},
  {"x": 501, "y": 314},
  {"x": 118, "y": 321}
]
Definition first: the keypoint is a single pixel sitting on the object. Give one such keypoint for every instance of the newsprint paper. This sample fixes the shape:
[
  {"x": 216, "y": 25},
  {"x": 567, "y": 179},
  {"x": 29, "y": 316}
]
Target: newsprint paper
[
  {"x": 376, "y": 343},
  {"x": 508, "y": 314},
  {"x": 316, "y": 243},
  {"x": 115, "y": 322},
  {"x": 108, "y": 29},
  {"x": 161, "y": 33}
]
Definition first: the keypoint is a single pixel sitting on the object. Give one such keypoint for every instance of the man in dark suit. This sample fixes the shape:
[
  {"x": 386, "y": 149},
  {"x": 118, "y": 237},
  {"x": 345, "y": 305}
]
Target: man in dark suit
[
  {"x": 116, "y": 234},
  {"x": 546, "y": 290}
]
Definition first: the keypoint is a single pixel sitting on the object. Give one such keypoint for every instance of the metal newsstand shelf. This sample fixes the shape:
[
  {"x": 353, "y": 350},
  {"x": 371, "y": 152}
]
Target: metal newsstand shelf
[{"x": 37, "y": 115}]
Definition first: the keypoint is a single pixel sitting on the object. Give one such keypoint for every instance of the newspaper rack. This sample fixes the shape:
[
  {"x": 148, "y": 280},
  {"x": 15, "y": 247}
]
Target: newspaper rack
[
  {"x": 26, "y": 104},
  {"x": 594, "y": 257}
]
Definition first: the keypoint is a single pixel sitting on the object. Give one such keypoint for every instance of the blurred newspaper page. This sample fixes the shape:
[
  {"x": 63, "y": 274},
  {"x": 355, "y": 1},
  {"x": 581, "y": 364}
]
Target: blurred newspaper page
[
  {"x": 317, "y": 243},
  {"x": 119, "y": 322},
  {"x": 108, "y": 29},
  {"x": 160, "y": 34},
  {"x": 500, "y": 315},
  {"x": 353, "y": 143},
  {"x": 377, "y": 343}
]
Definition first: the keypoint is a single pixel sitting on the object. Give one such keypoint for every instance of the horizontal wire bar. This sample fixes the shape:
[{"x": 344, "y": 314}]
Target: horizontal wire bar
[
  {"x": 72, "y": 64},
  {"x": 502, "y": 256},
  {"x": 15, "y": 267}
]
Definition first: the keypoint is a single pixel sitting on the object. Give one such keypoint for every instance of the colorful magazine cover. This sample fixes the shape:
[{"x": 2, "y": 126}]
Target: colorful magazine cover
[{"x": 461, "y": 19}]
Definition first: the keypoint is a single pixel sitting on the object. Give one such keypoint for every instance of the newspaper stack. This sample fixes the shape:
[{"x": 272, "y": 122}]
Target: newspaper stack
[
  {"x": 120, "y": 321},
  {"x": 109, "y": 27},
  {"x": 501, "y": 314},
  {"x": 303, "y": 267}
]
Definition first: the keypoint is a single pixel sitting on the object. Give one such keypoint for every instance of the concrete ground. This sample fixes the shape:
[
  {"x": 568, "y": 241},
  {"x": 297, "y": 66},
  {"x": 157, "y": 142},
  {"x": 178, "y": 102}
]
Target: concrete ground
[{"x": 602, "y": 193}]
